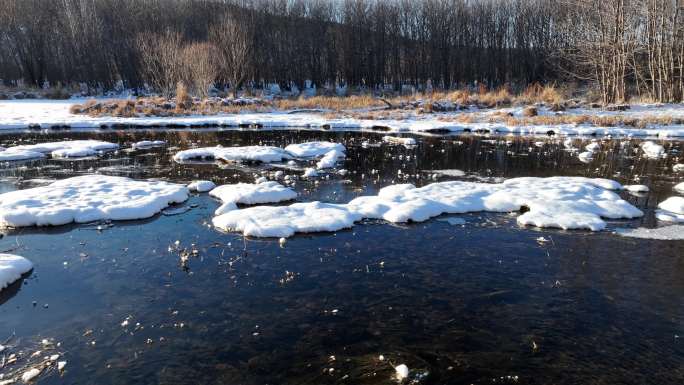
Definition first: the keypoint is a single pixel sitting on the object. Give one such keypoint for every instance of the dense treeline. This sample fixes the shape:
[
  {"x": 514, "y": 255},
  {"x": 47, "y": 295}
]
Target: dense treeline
[{"x": 623, "y": 47}]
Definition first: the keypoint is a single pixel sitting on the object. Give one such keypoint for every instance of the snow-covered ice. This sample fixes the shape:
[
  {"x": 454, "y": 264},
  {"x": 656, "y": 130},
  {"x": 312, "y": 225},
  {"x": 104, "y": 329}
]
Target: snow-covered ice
[
  {"x": 653, "y": 150},
  {"x": 201, "y": 185},
  {"x": 310, "y": 172},
  {"x": 11, "y": 268},
  {"x": 667, "y": 233},
  {"x": 88, "y": 198},
  {"x": 234, "y": 154},
  {"x": 63, "y": 149},
  {"x": 561, "y": 202},
  {"x": 250, "y": 194},
  {"x": 313, "y": 149},
  {"x": 679, "y": 188},
  {"x": 671, "y": 210},
  {"x": 399, "y": 140},
  {"x": 148, "y": 144},
  {"x": 330, "y": 159},
  {"x": 637, "y": 188}
]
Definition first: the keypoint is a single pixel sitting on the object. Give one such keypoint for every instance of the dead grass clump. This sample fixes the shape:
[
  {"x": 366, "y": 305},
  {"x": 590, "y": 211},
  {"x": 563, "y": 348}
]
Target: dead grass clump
[
  {"x": 530, "y": 111},
  {"x": 183, "y": 99},
  {"x": 125, "y": 109},
  {"x": 536, "y": 93},
  {"x": 498, "y": 98}
]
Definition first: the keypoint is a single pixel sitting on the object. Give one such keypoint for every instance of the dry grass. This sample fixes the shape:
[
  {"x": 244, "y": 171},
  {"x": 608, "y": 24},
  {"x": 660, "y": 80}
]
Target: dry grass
[
  {"x": 601, "y": 121},
  {"x": 334, "y": 103}
]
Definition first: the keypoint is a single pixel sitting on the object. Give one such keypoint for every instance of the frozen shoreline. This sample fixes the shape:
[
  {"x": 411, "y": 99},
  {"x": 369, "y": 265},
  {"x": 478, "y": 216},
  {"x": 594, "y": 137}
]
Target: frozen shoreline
[{"x": 49, "y": 114}]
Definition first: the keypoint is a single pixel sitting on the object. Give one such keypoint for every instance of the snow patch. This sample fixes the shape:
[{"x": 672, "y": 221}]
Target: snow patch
[
  {"x": 64, "y": 149},
  {"x": 12, "y": 267},
  {"x": 313, "y": 149},
  {"x": 87, "y": 198},
  {"x": 148, "y": 144},
  {"x": 653, "y": 150},
  {"x": 234, "y": 154},
  {"x": 250, "y": 194},
  {"x": 636, "y": 188},
  {"x": 201, "y": 186},
  {"x": 561, "y": 202}
]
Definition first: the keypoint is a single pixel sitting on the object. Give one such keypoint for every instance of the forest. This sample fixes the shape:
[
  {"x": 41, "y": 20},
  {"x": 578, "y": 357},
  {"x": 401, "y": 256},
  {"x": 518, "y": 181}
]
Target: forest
[{"x": 618, "y": 49}]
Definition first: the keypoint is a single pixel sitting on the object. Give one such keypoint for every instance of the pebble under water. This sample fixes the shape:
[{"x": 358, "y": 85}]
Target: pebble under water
[{"x": 476, "y": 303}]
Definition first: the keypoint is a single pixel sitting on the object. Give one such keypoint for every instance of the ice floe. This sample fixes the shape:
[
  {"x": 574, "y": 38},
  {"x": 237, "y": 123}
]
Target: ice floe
[
  {"x": 399, "y": 140},
  {"x": 148, "y": 144},
  {"x": 234, "y": 154},
  {"x": 560, "y": 202},
  {"x": 12, "y": 267},
  {"x": 250, "y": 194},
  {"x": 666, "y": 233},
  {"x": 201, "y": 185},
  {"x": 87, "y": 198},
  {"x": 313, "y": 149}
]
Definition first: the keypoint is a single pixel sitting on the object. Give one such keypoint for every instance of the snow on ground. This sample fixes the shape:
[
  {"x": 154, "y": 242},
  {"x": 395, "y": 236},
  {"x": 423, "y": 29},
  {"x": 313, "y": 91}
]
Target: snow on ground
[
  {"x": 201, "y": 186},
  {"x": 561, "y": 202},
  {"x": 20, "y": 114},
  {"x": 11, "y": 268},
  {"x": 250, "y": 194},
  {"x": 148, "y": 144},
  {"x": 234, "y": 154},
  {"x": 63, "y": 149},
  {"x": 673, "y": 232},
  {"x": 87, "y": 198}
]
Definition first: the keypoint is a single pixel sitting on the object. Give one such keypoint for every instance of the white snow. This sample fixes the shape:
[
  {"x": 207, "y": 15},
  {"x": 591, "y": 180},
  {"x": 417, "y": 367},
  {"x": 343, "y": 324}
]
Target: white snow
[
  {"x": 448, "y": 172},
  {"x": 310, "y": 172},
  {"x": 15, "y": 155},
  {"x": 313, "y": 149},
  {"x": 653, "y": 150},
  {"x": 593, "y": 146},
  {"x": 63, "y": 149},
  {"x": 561, "y": 202},
  {"x": 673, "y": 232},
  {"x": 637, "y": 188},
  {"x": 679, "y": 188},
  {"x": 30, "y": 374},
  {"x": 149, "y": 144},
  {"x": 673, "y": 204},
  {"x": 399, "y": 140},
  {"x": 201, "y": 186},
  {"x": 234, "y": 154},
  {"x": 671, "y": 210},
  {"x": 11, "y": 268},
  {"x": 250, "y": 194},
  {"x": 679, "y": 167},
  {"x": 586, "y": 157},
  {"x": 402, "y": 371},
  {"x": 330, "y": 159},
  {"x": 87, "y": 198}
]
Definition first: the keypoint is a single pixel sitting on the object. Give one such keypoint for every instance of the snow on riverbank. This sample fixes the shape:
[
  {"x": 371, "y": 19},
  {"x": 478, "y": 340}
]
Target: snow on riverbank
[
  {"x": 560, "y": 202},
  {"x": 87, "y": 198},
  {"x": 22, "y": 114},
  {"x": 12, "y": 267}
]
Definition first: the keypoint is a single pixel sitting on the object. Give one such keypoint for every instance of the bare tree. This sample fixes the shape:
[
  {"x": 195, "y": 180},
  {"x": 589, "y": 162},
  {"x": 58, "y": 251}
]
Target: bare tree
[
  {"x": 233, "y": 40},
  {"x": 200, "y": 67},
  {"x": 160, "y": 60}
]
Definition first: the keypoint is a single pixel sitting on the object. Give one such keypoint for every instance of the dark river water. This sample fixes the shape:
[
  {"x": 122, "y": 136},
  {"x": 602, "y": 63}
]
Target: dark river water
[{"x": 483, "y": 303}]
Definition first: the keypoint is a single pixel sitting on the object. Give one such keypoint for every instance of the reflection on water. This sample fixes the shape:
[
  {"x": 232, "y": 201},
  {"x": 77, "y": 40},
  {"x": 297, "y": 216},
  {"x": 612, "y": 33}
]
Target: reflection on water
[{"x": 479, "y": 303}]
